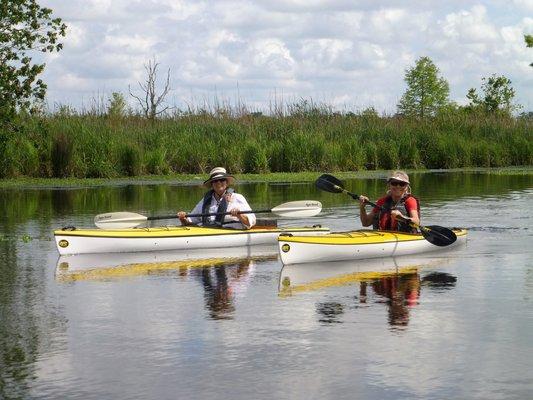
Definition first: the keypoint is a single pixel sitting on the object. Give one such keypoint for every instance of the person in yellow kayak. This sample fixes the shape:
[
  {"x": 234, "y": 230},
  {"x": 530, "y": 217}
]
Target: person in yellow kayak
[
  {"x": 398, "y": 207},
  {"x": 220, "y": 198}
]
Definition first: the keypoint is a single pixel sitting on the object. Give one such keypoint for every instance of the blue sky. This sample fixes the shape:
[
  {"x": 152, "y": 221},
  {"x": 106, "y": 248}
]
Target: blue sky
[{"x": 348, "y": 54}]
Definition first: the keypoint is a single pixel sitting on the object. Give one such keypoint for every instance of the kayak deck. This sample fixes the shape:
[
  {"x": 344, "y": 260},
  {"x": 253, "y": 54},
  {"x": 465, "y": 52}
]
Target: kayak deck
[
  {"x": 178, "y": 231},
  {"x": 362, "y": 236}
]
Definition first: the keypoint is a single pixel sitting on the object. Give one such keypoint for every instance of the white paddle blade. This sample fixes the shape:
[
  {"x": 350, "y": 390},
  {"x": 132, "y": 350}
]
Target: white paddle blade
[
  {"x": 119, "y": 220},
  {"x": 298, "y": 209}
]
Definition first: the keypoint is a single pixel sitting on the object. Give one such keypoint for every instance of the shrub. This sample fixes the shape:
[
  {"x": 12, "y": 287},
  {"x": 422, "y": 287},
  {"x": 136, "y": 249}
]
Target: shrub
[
  {"x": 61, "y": 156},
  {"x": 255, "y": 159},
  {"x": 155, "y": 161},
  {"x": 130, "y": 160},
  {"x": 277, "y": 159},
  {"x": 372, "y": 156}
]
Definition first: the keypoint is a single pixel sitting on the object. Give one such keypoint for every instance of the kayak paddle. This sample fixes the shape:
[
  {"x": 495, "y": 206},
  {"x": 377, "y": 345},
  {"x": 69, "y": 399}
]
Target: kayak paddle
[
  {"x": 124, "y": 219},
  {"x": 329, "y": 183},
  {"x": 437, "y": 235}
]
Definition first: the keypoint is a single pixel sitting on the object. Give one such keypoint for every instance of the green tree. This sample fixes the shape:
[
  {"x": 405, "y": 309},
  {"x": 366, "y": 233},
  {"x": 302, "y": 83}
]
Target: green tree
[
  {"x": 529, "y": 42},
  {"x": 25, "y": 27},
  {"x": 426, "y": 92},
  {"x": 117, "y": 105},
  {"x": 497, "y": 96}
]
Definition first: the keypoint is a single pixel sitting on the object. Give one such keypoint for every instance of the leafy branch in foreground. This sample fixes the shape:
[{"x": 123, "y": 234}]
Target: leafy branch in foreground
[{"x": 25, "y": 27}]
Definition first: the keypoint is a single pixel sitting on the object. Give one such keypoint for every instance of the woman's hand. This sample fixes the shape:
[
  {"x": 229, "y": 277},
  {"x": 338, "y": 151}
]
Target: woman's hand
[
  {"x": 397, "y": 215},
  {"x": 241, "y": 217},
  {"x": 182, "y": 215},
  {"x": 366, "y": 219}
]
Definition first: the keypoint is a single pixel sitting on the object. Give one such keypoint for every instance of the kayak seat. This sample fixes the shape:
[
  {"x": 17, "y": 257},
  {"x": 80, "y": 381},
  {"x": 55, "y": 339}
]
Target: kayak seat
[{"x": 263, "y": 223}]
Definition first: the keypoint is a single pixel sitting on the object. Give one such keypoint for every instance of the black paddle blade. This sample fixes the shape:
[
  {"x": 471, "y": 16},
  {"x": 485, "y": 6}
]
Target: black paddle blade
[
  {"x": 438, "y": 235},
  {"x": 329, "y": 183}
]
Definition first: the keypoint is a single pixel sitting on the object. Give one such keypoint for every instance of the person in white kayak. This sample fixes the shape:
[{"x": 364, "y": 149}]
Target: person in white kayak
[
  {"x": 398, "y": 206},
  {"x": 220, "y": 198}
]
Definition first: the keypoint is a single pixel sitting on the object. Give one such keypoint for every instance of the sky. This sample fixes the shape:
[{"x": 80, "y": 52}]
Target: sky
[{"x": 347, "y": 54}]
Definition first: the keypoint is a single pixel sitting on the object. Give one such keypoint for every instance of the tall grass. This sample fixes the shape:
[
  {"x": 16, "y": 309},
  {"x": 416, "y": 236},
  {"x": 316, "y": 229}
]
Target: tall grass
[{"x": 306, "y": 138}]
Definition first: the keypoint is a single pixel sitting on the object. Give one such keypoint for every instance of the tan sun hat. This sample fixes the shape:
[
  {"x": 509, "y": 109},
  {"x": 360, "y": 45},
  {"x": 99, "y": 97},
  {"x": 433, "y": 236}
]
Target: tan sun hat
[
  {"x": 219, "y": 173},
  {"x": 398, "y": 176}
]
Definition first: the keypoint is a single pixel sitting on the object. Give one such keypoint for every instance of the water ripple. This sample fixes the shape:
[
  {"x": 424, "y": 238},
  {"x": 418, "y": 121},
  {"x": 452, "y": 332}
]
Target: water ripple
[{"x": 496, "y": 229}]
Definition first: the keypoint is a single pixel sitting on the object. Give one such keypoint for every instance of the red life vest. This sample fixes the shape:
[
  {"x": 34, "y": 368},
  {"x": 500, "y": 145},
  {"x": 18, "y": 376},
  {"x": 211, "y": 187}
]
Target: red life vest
[{"x": 383, "y": 220}]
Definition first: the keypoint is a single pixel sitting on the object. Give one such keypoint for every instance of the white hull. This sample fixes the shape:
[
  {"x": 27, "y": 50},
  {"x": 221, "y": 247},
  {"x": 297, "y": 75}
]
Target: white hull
[
  {"x": 159, "y": 239},
  {"x": 293, "y": 251}
]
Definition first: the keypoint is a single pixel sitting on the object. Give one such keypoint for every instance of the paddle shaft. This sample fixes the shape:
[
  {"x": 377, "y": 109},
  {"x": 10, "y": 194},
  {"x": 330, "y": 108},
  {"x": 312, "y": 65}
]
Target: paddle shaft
[
  {"x": 206, "y": 215},
  {"x": 125, "y": 220},
  {"x": 356, "y": 197}
]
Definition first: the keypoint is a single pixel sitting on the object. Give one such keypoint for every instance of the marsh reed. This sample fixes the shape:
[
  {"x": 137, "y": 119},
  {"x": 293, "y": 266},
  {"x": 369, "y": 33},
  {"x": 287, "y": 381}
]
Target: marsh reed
[{"x": 299, "y": 138}]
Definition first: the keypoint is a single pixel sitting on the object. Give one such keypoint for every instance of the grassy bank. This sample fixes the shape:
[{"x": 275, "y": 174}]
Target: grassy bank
[
  {"x": 196, "y": 179},
  {"x": 85, "y": 146}
]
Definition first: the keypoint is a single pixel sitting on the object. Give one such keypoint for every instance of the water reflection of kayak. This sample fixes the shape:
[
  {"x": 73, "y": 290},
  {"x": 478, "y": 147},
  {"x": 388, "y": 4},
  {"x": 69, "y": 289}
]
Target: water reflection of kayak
[
  {"x": 357, "y": 245},
  {"x": 104, "y": 266},
  {"x": 314, "y": 276}
]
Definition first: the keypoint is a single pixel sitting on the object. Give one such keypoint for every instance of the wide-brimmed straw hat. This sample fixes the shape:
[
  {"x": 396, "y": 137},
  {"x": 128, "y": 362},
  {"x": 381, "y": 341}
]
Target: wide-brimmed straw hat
[
  {"x": 398, "y": 176},
  {"x": 219, "y": 173}
]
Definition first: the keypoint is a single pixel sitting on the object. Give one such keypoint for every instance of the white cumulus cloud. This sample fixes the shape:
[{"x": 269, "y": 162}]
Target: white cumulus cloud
[{"x": 345, "y": 53}]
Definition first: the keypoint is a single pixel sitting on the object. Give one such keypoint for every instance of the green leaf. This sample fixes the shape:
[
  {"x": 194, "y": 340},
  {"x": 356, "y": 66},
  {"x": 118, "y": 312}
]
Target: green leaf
[{"x": 25, "y": 27}]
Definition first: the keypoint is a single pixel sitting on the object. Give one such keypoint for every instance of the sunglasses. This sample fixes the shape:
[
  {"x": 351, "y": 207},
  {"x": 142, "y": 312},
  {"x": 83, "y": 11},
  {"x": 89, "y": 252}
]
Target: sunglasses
[{"x": 398, "y": 183}]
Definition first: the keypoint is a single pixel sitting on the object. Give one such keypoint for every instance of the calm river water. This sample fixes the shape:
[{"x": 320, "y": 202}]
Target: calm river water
[{"x": 455, "y": 325}]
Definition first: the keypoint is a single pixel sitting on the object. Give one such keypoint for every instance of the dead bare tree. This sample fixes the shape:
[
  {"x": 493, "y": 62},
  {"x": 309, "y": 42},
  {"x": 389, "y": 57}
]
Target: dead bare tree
[{"x": 151, "y": 101}]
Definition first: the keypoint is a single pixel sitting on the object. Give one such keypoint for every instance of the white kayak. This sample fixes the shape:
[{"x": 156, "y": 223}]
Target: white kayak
[
  {"x": 356, "y": 245},
  {"x": 83, "y": 241}
]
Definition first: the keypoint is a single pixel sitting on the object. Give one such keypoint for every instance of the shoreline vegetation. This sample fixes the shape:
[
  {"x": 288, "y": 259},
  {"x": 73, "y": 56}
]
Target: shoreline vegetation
[
  {"x": 197, "y": 180},
  {"x": 309, "y": 139},
  {"x": 110, "y": 141}
]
